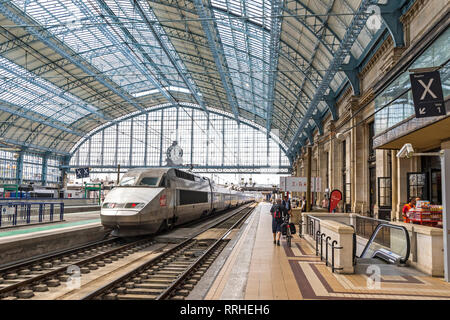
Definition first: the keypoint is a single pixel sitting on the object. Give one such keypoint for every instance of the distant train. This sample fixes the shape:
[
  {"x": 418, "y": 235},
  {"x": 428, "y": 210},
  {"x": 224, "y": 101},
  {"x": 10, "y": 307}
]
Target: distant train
[
  {"x": 30, "y": 192},
  {"x": 149, "y": 200}
]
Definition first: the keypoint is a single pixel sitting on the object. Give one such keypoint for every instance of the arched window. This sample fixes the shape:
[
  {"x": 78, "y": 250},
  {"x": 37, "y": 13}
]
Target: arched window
[{"x": 183, "y": 136}]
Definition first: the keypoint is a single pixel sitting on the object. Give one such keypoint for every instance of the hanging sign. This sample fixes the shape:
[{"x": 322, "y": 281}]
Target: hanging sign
[
  {"x": 82, "y": 173},
  {"x": 427, "y": 94},
  {"x": 335, "y": 197}
]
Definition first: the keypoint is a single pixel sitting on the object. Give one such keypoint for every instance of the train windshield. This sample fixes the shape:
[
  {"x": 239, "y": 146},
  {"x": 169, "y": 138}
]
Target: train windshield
[
  {"x": 149, "y": 181},
  {"x": 127, "y": 181}
]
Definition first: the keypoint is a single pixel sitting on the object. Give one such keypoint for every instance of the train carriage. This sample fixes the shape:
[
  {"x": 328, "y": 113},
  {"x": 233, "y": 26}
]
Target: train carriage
[{"x": 149, "y": 200}]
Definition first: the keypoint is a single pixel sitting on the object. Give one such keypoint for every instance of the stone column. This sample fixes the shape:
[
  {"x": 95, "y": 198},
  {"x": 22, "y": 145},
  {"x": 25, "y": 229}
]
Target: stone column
[
  {"x": 396, "y": 216},
  {"x": 331, "y": 154},
  {"x": 308, "y": 181},
  {"x": 445, "y": 167}
]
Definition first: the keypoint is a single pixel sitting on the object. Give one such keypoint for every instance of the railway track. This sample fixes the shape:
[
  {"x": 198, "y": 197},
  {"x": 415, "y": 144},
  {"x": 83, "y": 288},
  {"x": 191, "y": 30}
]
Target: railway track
[
  {"x": 22, "y": 280},
  {"x": 175, "y": 272}
]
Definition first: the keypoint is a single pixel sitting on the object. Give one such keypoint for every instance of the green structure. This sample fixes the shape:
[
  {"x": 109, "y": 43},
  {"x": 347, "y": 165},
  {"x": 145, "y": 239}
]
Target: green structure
[
  {"x": 10, "y": 187},
  {"x": 93, "y": 187}
]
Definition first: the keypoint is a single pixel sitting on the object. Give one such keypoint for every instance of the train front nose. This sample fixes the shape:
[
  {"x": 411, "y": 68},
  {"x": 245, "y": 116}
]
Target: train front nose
[{"x": 115, "y": 218}]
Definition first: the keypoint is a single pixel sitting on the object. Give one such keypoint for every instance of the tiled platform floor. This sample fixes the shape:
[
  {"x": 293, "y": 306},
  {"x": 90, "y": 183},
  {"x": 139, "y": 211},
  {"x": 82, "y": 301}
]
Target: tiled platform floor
[{"x": 297, "y": 273}]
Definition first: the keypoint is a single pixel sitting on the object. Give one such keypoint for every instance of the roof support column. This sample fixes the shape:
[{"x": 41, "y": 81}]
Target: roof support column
[
  {"x": 102, "y": 161},
  {"x": 318, "y": 121},
  {"x": 330, "y": 100},
  {"x": 44, "y": 168},
  {"x": 207, "y": 140},
  {"x": 19, "y": 168},
  {"x": 239, "y": 146},
  {"x": 64, "y": 170},
  {"x": 161, "y": 138},
  {"x": 131, "y": 143},
  {"x": 223, "y": 142},
  {"x": 192, "y": 137},
  {"x": 146, "y": 140},
  {"x": 117, "y": 144},
  {"x": 391, "y": 13},
  {"x": 351, "y": 71}
]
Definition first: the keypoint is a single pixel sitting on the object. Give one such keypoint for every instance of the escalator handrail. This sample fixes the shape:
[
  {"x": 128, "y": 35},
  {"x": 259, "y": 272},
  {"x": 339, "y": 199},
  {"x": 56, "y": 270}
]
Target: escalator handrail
[{"x": 375, "y": 232}]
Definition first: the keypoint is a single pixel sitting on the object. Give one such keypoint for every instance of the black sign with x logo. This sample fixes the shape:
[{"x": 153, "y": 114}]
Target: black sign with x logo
[
  {"x": 82, "y": 173},
  {"x": 427, "y": 94}
]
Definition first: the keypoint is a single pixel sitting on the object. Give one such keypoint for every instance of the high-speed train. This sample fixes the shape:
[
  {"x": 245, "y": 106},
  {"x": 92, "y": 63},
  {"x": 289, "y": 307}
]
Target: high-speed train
[{"x": 149, "y": 200}]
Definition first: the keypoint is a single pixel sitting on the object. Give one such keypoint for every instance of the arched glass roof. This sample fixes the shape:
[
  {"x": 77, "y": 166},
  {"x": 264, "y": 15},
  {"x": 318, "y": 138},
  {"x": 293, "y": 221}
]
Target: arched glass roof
[{"x": 69, "y": 66}]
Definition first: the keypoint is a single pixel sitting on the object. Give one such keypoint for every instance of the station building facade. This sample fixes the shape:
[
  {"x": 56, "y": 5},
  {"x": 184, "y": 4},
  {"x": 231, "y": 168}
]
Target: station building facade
[{"x": 356, "y": 152}]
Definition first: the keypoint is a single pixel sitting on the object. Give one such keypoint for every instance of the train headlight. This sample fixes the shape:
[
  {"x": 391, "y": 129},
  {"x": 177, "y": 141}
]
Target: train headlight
[{"x": 134, "y": 205}]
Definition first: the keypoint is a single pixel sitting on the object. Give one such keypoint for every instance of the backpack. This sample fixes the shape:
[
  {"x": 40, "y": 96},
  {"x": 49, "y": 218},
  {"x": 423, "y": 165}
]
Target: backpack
[
  {"x": 284, "y": 227},
  {"x": 277, "y": 213},
  {"x": 292, "y": 227}
]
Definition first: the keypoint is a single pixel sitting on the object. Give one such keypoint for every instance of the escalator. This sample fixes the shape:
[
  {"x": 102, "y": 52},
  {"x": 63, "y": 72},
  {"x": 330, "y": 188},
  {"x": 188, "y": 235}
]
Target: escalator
[{"x": 388, "y": 244}]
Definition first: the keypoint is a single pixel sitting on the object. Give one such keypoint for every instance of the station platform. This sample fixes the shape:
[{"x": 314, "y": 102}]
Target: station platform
[
  {"x": 70, "y": 219},
  {"x": 257, "y": 269},
  {"x": 25, "y": 241}
]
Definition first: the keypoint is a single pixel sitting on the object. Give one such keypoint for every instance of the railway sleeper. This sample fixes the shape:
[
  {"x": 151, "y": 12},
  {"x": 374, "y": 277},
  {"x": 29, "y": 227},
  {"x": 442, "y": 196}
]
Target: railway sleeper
[
  {"x": 188, "y": 286},
  {"x": 177, "y": 269},
  {"x": 180, "y": 263},
  {"x": 136, "y": 297},
  {"x": 192, "y": 281},
  {"x": 143, "y": 291},
  {"x": 183, "y": 292},
  {"x": 143, "y": 283},
  {"x": 149, "y": 285},
  {"x": 168, "y": 272},
  {"x": 162, "y": 277}
]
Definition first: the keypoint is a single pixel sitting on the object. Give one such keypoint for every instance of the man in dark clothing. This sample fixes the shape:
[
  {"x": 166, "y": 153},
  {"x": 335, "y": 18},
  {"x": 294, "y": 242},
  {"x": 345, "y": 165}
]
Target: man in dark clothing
[
  {"x": 287, "y": 204},
  {"x": 278, "y": 211}
]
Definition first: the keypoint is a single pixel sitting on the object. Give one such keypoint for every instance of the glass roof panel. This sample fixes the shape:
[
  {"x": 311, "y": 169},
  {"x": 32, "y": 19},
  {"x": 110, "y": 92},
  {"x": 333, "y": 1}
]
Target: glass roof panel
[
  {"x": 22, "y": 88},
  {"x": 78, "y": 25},
  {"x": 246, "y": 48}
]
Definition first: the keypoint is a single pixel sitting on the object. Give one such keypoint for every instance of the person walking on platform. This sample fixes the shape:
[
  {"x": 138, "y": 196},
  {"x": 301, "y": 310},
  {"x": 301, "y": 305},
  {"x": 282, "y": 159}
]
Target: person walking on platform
[
  {"x": 287, "y": 204},
  {"x": 278, "y": 211}
]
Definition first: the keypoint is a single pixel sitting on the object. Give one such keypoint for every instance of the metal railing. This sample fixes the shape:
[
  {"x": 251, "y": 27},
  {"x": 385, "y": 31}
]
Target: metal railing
[
  {"x": 312, "y": 226},
  {"x": 334, "y": 247},
  {"x": 67, "y": 201},
  {"x": 319, "y": 238},
  {"x": 22, "y": 213}
]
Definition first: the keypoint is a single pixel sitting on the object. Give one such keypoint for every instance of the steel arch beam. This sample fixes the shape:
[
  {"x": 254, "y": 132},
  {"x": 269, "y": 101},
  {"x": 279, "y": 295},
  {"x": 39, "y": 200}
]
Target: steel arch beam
[
  {"x": 357, "y": 24},
  {"x": 17, "y": 16},
  {"x": 215, "y": 44},
  {"x": 275, "y": 35},
  {"x": 170, "y": 51}
]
